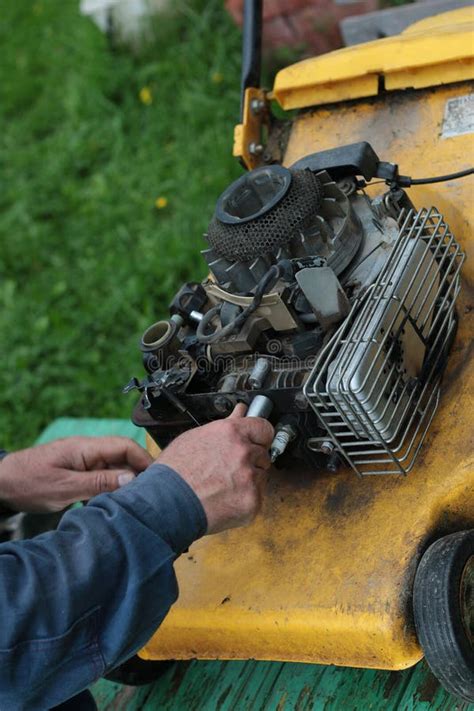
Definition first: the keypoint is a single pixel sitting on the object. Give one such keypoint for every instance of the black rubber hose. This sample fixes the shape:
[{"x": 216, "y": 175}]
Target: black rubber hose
[
  {"x": 405, "y": 181},
  {"x": 266, "y": 282}
]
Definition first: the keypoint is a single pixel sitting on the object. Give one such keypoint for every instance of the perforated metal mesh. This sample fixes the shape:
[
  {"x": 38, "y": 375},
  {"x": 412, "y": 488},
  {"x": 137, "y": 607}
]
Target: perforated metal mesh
[{"x": 293, "y": 214}]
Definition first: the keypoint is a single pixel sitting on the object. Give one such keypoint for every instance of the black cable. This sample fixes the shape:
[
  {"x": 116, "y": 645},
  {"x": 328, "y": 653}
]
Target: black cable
[
  {"x": 405, "y": 181},
  {"x": 269, "y": 278}
]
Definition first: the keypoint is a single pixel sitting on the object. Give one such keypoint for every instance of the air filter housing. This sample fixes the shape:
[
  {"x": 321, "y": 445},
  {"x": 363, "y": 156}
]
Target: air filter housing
[
  {"x": 263, "y": 211},
  {"x": 274, "y": 213}
]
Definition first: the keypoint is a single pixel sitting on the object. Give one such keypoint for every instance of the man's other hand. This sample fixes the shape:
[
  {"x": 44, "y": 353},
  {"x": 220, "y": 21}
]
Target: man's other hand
[
  {"x": 52, "y": 476},
  {"x": 225, "y": 463}
]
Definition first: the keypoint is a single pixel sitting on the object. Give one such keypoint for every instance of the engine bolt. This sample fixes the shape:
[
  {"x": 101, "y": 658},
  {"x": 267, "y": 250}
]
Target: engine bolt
[
  {"x": 256, "y": 106},
  {"x": 222, "y": 404},
  {"x": 327, "y": 447},
  {"x": 259, "y": 373},
  {"x": 300, "y": 401},
  {"x": 255, "y": 149},
  {"x": 196, "y": 316}
]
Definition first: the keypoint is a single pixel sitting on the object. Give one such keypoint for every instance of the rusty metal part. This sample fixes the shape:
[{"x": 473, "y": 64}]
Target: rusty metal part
[{"x": 248, "y": 134}]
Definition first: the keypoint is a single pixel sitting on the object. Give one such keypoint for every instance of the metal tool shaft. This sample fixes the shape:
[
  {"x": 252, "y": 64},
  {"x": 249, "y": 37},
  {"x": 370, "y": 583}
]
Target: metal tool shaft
[{"x": 261, "y": 406}]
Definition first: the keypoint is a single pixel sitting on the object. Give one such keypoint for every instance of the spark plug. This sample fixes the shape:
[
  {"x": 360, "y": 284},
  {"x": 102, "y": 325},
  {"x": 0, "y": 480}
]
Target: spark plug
[{"x": 284, "y": 434}]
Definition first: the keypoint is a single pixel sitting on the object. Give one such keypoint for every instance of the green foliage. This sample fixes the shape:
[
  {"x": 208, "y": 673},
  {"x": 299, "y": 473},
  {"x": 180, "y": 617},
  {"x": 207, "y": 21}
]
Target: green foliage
[{"x": 87, "y": 260}]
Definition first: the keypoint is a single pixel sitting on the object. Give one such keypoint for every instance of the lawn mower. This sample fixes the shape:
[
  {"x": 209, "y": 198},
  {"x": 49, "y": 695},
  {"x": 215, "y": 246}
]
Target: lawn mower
[{"x": 338, "y": 306}]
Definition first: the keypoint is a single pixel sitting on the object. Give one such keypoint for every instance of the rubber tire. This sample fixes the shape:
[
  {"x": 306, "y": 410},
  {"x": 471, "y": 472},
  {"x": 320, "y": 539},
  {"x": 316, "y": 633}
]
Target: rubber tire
[
  {"x": 438, "y": 617},
  {"x": 138, "y": 672}
]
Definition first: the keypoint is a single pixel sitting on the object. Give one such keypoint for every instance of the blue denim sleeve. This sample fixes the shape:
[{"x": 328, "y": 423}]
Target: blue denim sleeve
[{"x": 78, "y": 601}]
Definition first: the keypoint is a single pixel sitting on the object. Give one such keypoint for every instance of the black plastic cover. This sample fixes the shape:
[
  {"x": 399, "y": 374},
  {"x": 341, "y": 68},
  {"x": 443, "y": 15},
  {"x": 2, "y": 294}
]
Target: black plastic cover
[
  {"x": 191, "y": 297},
  {"x": 353, "y": 159}
]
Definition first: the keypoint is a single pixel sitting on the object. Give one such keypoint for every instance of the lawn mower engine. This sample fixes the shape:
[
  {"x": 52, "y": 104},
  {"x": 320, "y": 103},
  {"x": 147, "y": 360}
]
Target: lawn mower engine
[{"x": 326, "y": 310}]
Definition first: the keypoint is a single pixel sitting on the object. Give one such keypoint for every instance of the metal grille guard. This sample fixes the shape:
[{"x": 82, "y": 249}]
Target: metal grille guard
[{"x": 391, "y": 349}]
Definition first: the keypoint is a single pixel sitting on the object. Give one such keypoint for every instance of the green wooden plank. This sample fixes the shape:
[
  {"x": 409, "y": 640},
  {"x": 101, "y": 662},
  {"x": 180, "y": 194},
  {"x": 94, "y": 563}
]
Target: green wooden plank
[
  {"x": 258, "y": 688},
  {"x": 109, "y": 695},
  {"x": 243, "y": 685},
  {"x": 229, "y": 685},
  {"x": 90, "y": 426},
  {"x": 356, "y": 689},
  {"x": 295, "y": 687},
  {"x": 273, "y": 686},
  {"x": 188, "y": 688},
  {"x": 425, "y": 693}
]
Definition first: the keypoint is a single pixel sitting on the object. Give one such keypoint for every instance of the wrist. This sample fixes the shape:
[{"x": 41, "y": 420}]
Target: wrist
[
  {"x": 169, "y": 505},
  {"x": 5, "y": 508}
]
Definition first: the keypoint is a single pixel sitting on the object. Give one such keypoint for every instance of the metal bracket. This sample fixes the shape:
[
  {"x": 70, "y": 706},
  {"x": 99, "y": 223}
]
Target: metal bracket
[{"x": 248, "y": 139}]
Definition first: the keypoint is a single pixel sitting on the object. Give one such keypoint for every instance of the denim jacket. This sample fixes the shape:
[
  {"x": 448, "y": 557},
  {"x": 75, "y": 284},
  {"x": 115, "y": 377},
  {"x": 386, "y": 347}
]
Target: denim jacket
[{"x": 78, "y": 601}]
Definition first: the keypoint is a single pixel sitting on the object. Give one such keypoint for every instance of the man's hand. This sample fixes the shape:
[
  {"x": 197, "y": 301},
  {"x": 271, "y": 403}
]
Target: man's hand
[
  {"x": 225, "y": 463},
  {"x": 52, "y": 476}
]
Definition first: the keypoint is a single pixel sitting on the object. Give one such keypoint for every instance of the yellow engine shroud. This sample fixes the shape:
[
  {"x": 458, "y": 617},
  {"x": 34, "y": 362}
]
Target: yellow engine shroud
[{"x": 325, "y": 573}]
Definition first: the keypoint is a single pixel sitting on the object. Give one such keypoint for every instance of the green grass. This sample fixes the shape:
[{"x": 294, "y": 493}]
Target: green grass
[{"x": 86, "y": 259}]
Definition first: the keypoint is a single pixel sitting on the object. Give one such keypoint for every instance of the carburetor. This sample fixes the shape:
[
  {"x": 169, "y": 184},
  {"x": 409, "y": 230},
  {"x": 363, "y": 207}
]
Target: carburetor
[{"x": 326, "y": 310}]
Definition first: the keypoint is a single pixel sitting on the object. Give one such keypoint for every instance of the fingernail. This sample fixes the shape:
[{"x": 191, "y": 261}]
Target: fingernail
[{"x": 124, "y": 479}]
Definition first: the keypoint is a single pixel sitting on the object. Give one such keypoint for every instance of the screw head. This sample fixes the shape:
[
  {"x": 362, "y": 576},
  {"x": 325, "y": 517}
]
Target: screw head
[
  {"x": 300, "y": 401},
  {"x": 222, "y": 404},
  {"x": 327, "y": 447},
  {"x": 257, "y": 105},
  {"x": 255, "y": 149}
]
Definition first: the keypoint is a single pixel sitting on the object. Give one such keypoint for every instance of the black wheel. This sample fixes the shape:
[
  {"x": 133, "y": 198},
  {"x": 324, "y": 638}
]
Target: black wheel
[
  {"x": 443, "y": 603},
  {"x": 138, "y": 672}
]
